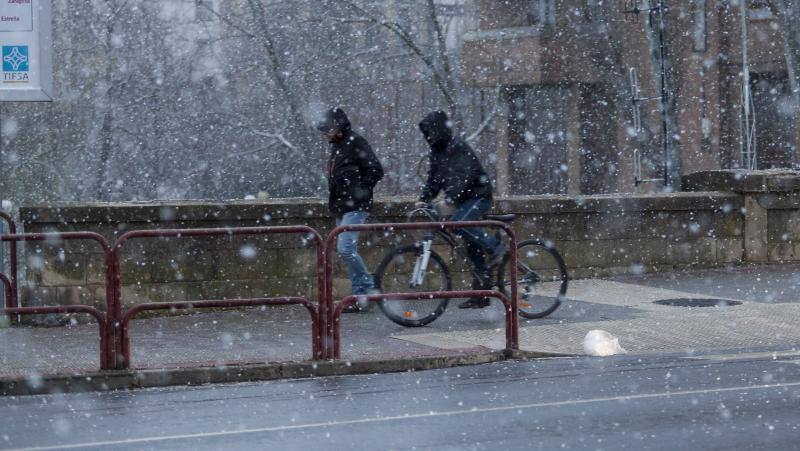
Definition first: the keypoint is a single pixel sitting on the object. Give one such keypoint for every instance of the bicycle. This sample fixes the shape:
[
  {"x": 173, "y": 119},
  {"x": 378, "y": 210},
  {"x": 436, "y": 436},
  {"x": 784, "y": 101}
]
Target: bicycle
[{"x": 541, "y": 274}]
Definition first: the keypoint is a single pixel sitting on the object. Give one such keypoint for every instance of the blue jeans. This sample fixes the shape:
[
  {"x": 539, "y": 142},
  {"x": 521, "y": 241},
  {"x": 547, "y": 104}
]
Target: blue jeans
[
  {"x": 478, "y": 241},
  {"x": 347, "y": 247}
]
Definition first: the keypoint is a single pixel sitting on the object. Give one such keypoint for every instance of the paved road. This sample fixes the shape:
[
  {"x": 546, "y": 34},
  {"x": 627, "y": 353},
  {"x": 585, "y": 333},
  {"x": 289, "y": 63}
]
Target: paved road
[{"x": 659, "y": 402}]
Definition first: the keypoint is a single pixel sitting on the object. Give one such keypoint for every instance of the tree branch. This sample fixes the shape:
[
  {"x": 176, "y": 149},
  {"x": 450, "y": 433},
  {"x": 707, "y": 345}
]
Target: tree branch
[
  {"x": 448, "y": 71},
  {"x": 443, "y": 85},
  {"x": 278, "y": 72},
  {"x": 228, "y": 21},
  {"x": 487, "y": 121},
  {"x": 277, "y": 136}
]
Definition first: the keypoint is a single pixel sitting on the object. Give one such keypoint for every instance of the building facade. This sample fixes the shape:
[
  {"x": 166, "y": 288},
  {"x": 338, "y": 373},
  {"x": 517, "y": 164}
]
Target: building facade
[{"x": 566, "y": 118}]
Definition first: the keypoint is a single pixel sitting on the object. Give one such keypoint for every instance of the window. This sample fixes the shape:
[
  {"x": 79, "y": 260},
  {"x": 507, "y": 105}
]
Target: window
[
  {"x": 537, "y": 139},
  {"x": 594, "y": 11},
  {"x": 759, "y": 9},
  {"x": 542, "y": 12},
  {"x": 699, "y": 26}
]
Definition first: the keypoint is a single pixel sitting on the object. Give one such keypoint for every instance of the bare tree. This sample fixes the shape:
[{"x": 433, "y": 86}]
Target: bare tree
[
  {"x": 432, "y": 52},
  {"x": 216, "y": 98},
  {"x": 292, "y": 132}
]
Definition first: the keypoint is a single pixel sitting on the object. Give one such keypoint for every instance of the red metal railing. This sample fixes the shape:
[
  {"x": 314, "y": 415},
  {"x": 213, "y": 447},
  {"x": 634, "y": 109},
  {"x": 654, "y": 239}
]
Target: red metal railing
[
  {"x": 332, "y": 351},
  {"x": 11, "y": 298},
  {"x": 106, "y": 352},
  {"x": 121, "y": 335},
  {"x": 115, "y": 346},
  {"x": 8, "y": 289}
]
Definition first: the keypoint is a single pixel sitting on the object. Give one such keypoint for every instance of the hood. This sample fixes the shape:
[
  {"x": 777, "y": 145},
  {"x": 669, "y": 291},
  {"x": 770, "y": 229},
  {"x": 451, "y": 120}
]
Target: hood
[
  {"x": 437, "y": 129},
  {"x": 334, "y": 118}
]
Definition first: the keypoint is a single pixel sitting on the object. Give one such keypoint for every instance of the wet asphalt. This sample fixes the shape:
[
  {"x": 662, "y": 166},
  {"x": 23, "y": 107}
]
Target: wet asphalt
[{"x": 726, "y": 401}]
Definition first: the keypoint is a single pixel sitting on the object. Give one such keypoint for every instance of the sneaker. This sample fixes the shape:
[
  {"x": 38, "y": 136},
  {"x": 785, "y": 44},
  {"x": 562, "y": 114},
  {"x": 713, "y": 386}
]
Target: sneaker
[
  {"x": 365, "y": 305},
  {"x": 362, "y": 305},
  {"x": 352, "y": 308},
  {"x": 496, "y": 256},
  {"x": 475, "y": 303}
]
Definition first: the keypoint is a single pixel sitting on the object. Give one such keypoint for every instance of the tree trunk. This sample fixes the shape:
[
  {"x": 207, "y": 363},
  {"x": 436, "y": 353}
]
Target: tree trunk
[
  {"x": 297, "y": 131},
  {"x": 448, "y": 90},
  {"x": 101, "y": 181}
]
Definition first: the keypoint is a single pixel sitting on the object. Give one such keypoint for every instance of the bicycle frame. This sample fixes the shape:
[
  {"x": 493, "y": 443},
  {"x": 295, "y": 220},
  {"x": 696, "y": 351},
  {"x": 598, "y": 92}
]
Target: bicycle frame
[
  {"x": 452, "y": 240},
  {"x": 421, "y": 265}
]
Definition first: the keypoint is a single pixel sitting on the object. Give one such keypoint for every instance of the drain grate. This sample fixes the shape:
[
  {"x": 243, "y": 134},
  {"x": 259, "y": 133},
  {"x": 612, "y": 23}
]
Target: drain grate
[{"x": 690, "y": 302}]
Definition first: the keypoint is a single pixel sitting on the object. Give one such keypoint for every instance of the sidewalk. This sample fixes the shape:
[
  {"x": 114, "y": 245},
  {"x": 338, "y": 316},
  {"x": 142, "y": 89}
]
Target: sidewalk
[{"x": 768, "y": 316}]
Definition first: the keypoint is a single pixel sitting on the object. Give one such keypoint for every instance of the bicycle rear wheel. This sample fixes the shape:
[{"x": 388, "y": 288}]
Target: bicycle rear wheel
[
  {"x": 541, "y": 278},
  {"x": 394, "y": 275}
]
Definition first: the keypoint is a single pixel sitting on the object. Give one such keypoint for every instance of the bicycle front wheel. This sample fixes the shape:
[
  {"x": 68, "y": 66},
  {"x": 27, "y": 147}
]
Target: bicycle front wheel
[
  {"x": 541, "y": 279},
  {"x": 395, "y": 274}
]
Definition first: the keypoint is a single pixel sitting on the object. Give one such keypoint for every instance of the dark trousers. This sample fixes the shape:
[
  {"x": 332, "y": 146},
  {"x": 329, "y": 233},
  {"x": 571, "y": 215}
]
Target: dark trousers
[{"x": 479, "y": 241}]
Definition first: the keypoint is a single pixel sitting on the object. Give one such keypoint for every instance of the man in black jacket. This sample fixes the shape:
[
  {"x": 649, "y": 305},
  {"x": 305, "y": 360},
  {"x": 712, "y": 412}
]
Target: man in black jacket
[
  {"x": 353, "y": 172},
  {"x": 455, "y": 170}
]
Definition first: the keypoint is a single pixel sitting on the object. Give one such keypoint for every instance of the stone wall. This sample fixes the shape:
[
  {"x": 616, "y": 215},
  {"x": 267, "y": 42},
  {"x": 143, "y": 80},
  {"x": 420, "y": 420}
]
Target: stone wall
[
  {"x": 771, "y": 202},
  {"x": 597, "y": 235}
]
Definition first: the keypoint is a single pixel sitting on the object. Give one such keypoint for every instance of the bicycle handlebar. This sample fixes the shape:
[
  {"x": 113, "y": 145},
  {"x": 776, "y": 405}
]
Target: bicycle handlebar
[{"x": 427, "y": 210}]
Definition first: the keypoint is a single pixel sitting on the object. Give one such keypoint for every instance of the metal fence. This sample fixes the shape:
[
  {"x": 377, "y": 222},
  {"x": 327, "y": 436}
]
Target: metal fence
[{"x": 325, "y": 313}]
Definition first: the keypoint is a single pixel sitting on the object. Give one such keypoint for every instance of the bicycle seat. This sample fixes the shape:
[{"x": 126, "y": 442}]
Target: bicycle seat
[{"x": 501, "y": 218}]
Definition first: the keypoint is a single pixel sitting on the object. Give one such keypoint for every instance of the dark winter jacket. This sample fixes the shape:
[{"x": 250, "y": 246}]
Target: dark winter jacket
[
  {"x": 454, "y": 167},
  {"x": 353, "y": 172}
]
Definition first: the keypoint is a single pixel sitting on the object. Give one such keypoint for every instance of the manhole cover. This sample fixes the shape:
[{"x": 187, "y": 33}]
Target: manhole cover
[{"x": 689, "y": 302}]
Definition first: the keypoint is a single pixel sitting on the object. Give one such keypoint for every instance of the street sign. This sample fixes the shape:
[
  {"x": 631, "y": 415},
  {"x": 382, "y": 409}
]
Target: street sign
[{"x": 26, "y": 51}]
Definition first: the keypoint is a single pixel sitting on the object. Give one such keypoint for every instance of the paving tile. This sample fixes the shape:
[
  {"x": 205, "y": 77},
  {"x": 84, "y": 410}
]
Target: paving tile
[{"x": 768, "y": 316}]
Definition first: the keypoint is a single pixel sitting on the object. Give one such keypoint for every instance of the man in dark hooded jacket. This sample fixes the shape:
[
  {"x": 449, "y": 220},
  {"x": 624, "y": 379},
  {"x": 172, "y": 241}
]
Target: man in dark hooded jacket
[
  {"x": 456, "y": 171},
  {"x": 353, "y": 171}
]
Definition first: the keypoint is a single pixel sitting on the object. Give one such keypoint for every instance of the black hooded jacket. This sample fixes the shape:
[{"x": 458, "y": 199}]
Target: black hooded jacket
[
  {"x": 454, "y": 167},
  {"x": 353, "y": 171}
]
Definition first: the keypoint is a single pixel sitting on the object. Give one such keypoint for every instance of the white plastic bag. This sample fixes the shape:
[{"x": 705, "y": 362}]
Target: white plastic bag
[{"x": 601, "y": 343}]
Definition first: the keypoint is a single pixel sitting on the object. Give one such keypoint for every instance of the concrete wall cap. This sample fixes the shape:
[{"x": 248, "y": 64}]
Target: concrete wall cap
[
  {"x": 303, "y": 209},
  {"x": 743, "y": 181}
]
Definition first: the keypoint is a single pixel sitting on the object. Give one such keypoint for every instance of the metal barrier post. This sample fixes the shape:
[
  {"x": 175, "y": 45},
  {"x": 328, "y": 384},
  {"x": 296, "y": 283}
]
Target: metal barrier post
[
  {"x": 512, "y": 316},
  {"x": 121, "y": 345},
  {"x": 12, "y": 300}
]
